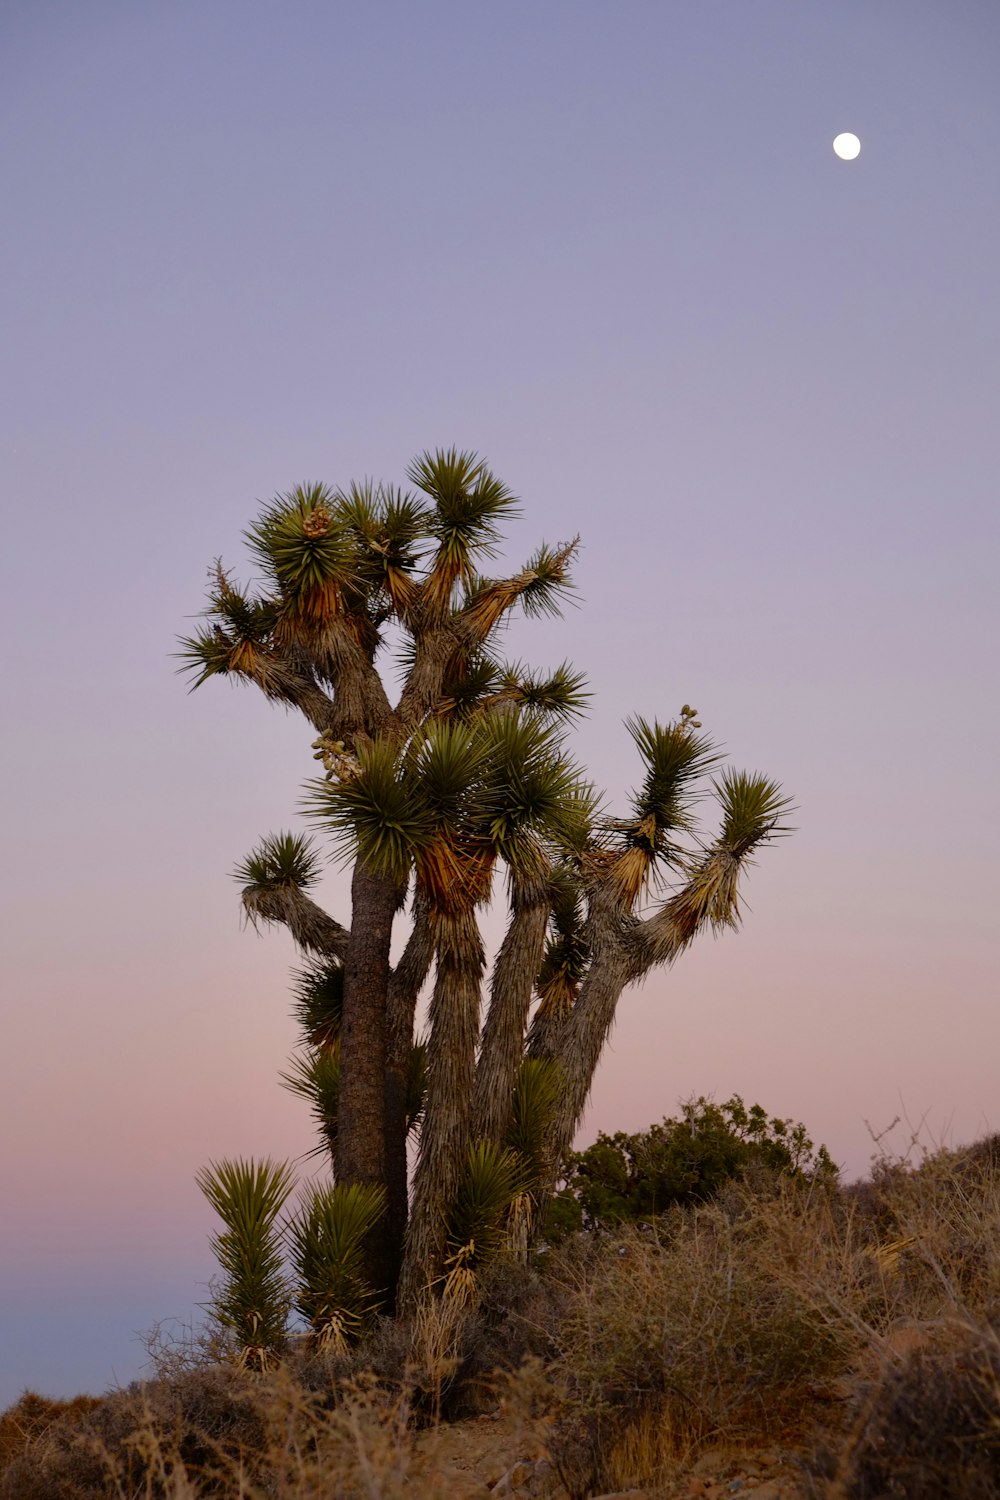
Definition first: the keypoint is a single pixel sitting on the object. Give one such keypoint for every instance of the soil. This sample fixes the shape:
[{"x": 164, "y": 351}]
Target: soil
[{"x": 487, "y": 1457}]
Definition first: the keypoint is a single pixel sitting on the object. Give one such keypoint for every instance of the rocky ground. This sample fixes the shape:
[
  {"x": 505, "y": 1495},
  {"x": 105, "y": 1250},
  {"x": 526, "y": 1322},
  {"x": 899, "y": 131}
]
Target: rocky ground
[{"x": 486, "y": 1458}]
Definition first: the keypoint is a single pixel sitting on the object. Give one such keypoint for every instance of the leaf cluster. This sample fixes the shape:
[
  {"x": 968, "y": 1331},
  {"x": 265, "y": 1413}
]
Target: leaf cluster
[
  {"x": 335, "y": 565},
  {"x": 624, "y": 1178},
  {"x": 566, "y": 951},
  {"x": 323, "y": 1239},
  {"x": 492, "y": 787},
  {"x": 280, "y": 859},
  {"x": 255, "y": 1298},
  {"x": 502, "y": 1183},
  {"x": 326, "y": 1241}
]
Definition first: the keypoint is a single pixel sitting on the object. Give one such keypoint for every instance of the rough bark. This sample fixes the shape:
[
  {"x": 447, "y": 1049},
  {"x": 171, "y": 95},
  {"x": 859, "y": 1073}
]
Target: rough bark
[
  {"x": 434, "y": 649},
  {"x": 298, "y": 689},
  {"x": 313, "y": 929},
  {"x": 511, "y": 988},
  {"x": 710, "y": 897},
  {"x": 623, "y": 950},
  {"x": 405, "y": 984},
  {"x": 544, "y": 1034},
  {"x": 446, "y": 1132},
  {"x": 440, "y": 638},
  {"x": 360, "y": 704},
  {"x": 361, "y": 1117},
  {"x": 581, "y": 1041}
]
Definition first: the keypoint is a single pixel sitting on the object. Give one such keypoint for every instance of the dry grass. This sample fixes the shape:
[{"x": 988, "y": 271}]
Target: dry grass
[
  {"x": 931, "y": 1429},
  {"x": 223, "y": 1433},
  {"x": 685, "y": 1336},
  {"x": 861, "y": 1324}
]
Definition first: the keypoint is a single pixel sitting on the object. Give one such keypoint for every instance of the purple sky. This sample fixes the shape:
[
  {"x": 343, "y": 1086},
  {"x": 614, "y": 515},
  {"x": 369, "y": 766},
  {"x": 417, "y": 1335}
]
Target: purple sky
[{"x": 610, "y": 247}]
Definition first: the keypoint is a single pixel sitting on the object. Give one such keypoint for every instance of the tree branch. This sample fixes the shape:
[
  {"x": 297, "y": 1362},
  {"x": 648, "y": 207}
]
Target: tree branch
[{"x": 288, "y": 906}]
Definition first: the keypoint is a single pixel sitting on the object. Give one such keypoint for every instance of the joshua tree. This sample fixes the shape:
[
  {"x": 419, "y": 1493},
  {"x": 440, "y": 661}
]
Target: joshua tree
[
  {"x": 338, "y": 568},
  {"x": 465, "y": 775}
]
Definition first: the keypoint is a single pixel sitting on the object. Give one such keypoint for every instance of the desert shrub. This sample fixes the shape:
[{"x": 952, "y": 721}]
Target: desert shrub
[
  {"x": 677, "y": 1336},
  {"x": 723, "y": 1321},
  {"x": 936, "y": 1229},
  {"x": 932, "y": 1428},
  {"x": 226, "y": 1434},
  {"x": 143, "y": 1440},
  {"x": 449, "y": 1363},
  {"x": 624, "y": 1178},
  {"x": 30, "y": 1417}
]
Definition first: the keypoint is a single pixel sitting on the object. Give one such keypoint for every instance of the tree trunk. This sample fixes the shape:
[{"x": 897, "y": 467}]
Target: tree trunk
[
  {"x": 579, "y": 1041},
  {"x": 405, "y": 984},
  {"x": 446, "y": 1131},
  {"x": 361, "y": 1116},
  {"x": 511, "y": 989},
  {"x": 623, "y": 951}
]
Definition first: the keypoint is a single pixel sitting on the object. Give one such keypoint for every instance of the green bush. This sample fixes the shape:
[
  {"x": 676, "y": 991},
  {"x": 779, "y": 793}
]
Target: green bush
[{"x": 626, "y": 1178}]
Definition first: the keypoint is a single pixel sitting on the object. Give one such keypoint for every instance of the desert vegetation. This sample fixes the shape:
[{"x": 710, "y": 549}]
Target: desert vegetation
[
  {"x": 435, "y": 795},
  {"x": 780, "y": 1334}
]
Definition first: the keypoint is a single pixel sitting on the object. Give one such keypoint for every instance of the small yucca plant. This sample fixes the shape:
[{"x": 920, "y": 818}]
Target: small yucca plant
[
  {"x": 326, "y": 1238},
  {"x": 255, "y": 1298},
  {"x": 494, "y": 1179},
  {"x": 534, "y": 1102},
  {"x": 536, "y": 1095}
]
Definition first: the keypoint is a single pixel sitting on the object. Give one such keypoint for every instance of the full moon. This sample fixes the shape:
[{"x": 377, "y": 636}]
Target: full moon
[{"x": 846, "y": 146}]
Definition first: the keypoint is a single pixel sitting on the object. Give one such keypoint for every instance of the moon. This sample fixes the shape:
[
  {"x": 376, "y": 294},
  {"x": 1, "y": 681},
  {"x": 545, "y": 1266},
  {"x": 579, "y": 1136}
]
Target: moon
[{"x": 847, "y": 146}]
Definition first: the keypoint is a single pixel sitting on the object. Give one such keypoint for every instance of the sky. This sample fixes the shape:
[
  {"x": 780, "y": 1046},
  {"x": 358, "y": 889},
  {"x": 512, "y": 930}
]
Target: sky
[{"x": 610, "y": 248}]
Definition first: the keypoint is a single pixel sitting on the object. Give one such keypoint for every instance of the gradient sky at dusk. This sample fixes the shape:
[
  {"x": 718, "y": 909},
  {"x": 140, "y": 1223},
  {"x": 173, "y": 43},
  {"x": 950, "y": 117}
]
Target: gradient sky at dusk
[{"x": 608, "y": 246}]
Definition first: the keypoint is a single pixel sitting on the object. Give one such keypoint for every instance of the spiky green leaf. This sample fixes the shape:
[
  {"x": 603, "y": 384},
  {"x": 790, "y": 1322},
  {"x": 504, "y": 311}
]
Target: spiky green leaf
[
  {"x": 493, "y": 1177},
  {"x": 380, "y": 812},
  {"x": 536, "y": 1096},
  {"x": 318, "y": 991},
  {"x": 753, "y": 809},
  {"x": 546, "y": 589},
  {"x": 326, "y": 1240},
  {"x": 304, "y": 543},
  {"x": 254, "y": 1299},
  {"x": 314, "y": 1075},
  {"x": 280, "y": 859},
  {"x": 469, "y": 500}
]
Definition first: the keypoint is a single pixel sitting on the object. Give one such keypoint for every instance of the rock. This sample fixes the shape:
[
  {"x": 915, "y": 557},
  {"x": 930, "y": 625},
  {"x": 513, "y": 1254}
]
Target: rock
[
  {"x": 514, "y": 1481},
  {"x": 544, "y": 1479},
  {"x": 712, "y": 1461},
  {"x": 492, "y": 1469}
]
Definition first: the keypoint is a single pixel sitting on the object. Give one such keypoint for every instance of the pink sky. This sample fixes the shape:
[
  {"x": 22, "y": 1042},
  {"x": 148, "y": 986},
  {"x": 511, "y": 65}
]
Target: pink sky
[{"x": 610, "y": 248}]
